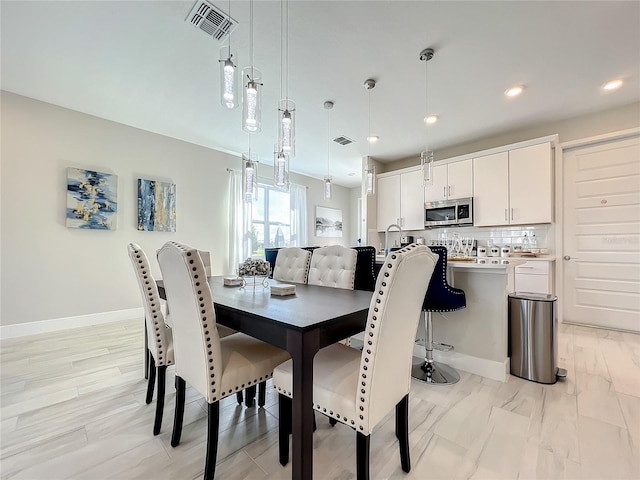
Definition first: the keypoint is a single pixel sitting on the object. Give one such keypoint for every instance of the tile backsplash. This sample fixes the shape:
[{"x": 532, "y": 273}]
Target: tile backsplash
[{"x": 502, "y": 235}]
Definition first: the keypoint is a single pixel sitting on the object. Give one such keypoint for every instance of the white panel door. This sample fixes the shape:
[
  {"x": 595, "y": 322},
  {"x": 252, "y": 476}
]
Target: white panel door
[{"x": 601, "y": 234}]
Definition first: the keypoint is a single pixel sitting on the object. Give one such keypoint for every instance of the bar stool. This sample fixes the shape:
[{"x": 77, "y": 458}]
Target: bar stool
[{"x": 440, "y": 297}]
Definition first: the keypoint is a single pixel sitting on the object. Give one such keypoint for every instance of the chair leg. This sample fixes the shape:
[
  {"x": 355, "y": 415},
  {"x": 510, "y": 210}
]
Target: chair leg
[
  {"x": 250, "y": 396},
  {"x": 362, "y": 456},
  {"x": 152, "y": 378},
  {"x": 179, "y": 412},
  {"x": 213, "y": 424},
  {"x": 332, "y": 421},
  {"x": 240, "y": 398},
  {"x": 157, "y": 424},
  {"x": 402, "y": 432},
  {"x": 262, "y": 393},
  {"x": 147, "y": 353},
  {"x": 284, "y": 427}
]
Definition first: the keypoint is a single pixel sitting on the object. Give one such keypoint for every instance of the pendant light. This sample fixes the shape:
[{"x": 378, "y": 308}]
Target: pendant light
[
  {"x": 252, "y": 88},
  {"x": 280, "y": 169},
  {"x": 250, "y": 175},
  {"x": 285, "y": 148},
  {"x": 426, "y": 157},
  {"x": 328, "y": 184},
  {"x": 370, "y": 171},
  {"x": 228, "y": 74},
  {"x": 286, "y": 106}
]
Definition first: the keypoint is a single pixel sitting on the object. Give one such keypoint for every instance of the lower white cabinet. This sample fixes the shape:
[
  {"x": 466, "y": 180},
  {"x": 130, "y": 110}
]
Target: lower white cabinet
[{"x": 534, "y": 276}]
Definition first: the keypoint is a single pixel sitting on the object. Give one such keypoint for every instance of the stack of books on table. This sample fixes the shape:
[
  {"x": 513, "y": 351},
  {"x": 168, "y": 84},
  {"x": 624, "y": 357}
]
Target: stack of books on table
[
  {"x": 283, "y": 289},
  {"x": 232, "y": 281}
]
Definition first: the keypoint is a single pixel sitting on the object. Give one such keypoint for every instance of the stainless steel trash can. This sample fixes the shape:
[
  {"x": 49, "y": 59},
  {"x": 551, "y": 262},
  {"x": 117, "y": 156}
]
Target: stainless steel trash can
[{"x": 533, "y": 336}]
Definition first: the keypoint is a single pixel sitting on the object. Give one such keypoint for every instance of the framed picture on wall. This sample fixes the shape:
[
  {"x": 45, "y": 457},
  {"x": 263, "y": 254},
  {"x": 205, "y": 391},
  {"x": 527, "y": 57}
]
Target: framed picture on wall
[
  {"x": 92, "y": 199},
  {"x": 156, "y": 206},
  {"x": 328, "y": 222}
]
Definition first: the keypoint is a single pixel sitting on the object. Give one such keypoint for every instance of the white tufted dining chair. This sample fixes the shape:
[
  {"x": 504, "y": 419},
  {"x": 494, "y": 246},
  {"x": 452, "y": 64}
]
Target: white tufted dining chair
[
  {"x": 360, "y": 388},
  {"x": 249, "y": 393},
  {"x": 160, "y": 338},
  {"x": 215, "y": 367},
  {"x": 292, "y": 265},
  {"x": 333, "y": 266}
]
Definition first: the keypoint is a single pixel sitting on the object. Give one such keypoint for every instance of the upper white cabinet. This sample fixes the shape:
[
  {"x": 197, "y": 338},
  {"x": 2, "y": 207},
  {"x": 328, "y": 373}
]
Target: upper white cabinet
[
  {"x": 400, "y": 199},
  {"x": 514, "y": 187},
  {"x": 452, "y": 180}
]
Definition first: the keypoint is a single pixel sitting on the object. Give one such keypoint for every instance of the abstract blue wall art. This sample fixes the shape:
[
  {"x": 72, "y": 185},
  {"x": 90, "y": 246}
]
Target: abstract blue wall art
[
  {"x": 156, "y": 206},
  {"x": 91, "y": 199}
]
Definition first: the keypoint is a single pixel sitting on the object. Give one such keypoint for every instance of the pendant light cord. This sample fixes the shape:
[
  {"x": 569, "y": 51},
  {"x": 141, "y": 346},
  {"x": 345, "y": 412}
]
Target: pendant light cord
[
  {"x": 282, "y": 74},
  {"x": 426, "y": 108},
  {"x": 251, "y": 37},
  {"x": 369, "y": 133},
  {"x": 229, "y": 30},
  {"x": 328, "y": 141}
]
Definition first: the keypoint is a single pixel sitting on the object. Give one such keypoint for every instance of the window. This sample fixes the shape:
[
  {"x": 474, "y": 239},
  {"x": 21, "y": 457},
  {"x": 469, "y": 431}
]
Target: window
[
  {"x": 270, "y": 220},
  {"x": 275, "y": 218}
]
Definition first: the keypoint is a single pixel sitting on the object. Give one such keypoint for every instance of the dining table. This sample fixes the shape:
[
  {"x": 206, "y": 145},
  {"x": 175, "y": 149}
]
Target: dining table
[{"x": 303, "y": 323}]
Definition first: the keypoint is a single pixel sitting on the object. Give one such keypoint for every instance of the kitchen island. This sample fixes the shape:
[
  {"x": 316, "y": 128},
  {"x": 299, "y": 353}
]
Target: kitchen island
[{"x": 478, "y": 332}]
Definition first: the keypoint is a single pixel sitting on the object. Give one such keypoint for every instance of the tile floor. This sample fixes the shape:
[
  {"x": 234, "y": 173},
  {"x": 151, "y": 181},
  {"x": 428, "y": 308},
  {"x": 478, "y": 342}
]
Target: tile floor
[{"x": 72, "y": 407}]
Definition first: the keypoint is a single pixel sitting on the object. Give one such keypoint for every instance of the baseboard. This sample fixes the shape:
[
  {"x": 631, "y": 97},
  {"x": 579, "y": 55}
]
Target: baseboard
[
  {"x": 479, "y": 366},
  {"x": 65, "y": 323}
]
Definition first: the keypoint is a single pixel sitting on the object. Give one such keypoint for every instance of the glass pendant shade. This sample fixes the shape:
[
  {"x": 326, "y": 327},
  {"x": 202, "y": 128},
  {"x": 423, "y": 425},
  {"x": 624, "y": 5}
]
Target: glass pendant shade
[
  {"x": 252, "y": 100},
  {"x": 250, "y": 176},
  {"x": 228, "y": 78},
  {"x": 287, "y": 127},
  {"x": 426, "y": 161},
  {"x": 280, "y": 170},
  {"x": 328, "y": 188},
  {"x": 370, "y": 179}
]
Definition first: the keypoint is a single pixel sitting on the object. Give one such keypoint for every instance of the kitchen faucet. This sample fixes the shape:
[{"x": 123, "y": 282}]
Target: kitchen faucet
[{"x": 386, "y": 236}]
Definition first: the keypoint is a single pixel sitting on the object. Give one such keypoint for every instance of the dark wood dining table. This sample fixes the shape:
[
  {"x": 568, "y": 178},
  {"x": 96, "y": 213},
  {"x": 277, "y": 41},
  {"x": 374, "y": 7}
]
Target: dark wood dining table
[{"x": 302, "y": 324}]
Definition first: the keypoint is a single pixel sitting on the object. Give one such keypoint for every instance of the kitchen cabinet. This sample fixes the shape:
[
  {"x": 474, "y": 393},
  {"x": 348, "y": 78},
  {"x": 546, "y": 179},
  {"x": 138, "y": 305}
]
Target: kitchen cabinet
[
  {"x": 534, "y": 276},
  {"x": 400, "y": 200},
  {"x": 450, "y": 181},
  {"x": 513, "y": 187}
]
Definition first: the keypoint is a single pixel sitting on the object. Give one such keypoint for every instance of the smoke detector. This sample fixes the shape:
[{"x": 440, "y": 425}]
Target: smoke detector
[{"x": 211, "y": 20}]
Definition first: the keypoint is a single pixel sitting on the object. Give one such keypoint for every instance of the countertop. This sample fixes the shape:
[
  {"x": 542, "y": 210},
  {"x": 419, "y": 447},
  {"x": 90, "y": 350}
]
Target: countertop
[{"x": 512, "y": 260}]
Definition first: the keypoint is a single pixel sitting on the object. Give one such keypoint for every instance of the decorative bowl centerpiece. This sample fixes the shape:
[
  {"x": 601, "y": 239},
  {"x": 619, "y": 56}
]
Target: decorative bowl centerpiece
[{"x": 254, "y": 271}]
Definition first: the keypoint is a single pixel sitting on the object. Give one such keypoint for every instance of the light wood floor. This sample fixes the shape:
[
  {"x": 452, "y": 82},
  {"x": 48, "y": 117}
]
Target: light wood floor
[{"x": 72, "y": 406}]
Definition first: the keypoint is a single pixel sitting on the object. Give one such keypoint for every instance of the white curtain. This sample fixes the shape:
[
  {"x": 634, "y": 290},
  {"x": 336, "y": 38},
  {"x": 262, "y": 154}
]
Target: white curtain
[
  {"x": 237, "y": 220},
  {"x": 298, "y": 201}
]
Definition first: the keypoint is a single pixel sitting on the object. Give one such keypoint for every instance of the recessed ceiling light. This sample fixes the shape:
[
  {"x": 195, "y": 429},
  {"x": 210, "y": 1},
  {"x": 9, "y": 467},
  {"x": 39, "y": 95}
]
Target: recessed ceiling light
[
  {"x": 612, "y": 85},
  {"x": 431, "y": 119},
  {"x": 514, "y": 91},
  {"x": 373, "y": 138}
]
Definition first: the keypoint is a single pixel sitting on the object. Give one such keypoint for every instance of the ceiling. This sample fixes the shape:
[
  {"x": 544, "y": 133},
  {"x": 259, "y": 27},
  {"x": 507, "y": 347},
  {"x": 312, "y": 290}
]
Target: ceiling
[{"x": 139, "y": 63}]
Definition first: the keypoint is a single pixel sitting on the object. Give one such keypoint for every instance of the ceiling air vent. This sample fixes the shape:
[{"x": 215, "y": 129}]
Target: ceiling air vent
[
  {"x": 342, "y": 140},
  {"x": 211, "y": 20}
]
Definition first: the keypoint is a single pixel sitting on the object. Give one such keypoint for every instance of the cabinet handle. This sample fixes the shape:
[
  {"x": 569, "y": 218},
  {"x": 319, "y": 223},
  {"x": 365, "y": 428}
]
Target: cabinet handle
[
  {"x": 449, "y": 190},
  {"x": 444, "y": 192},
  {"x": 512, "y": 214},
  {"x": 506, "y": 218}
]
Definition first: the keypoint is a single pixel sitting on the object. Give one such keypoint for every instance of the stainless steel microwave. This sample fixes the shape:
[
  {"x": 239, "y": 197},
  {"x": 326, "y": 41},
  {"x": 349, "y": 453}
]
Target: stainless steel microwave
[{"x": 447, "y": 213}]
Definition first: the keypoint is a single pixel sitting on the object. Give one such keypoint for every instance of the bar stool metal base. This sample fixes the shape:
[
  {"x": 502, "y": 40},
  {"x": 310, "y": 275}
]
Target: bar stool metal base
[{"x": 435, "y": 373}]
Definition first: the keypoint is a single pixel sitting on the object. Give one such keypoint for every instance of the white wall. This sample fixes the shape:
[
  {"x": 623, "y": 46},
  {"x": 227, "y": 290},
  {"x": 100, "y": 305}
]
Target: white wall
[
  {"x": 584, "y": 126},
  {"x": 49, "y": 271}
]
